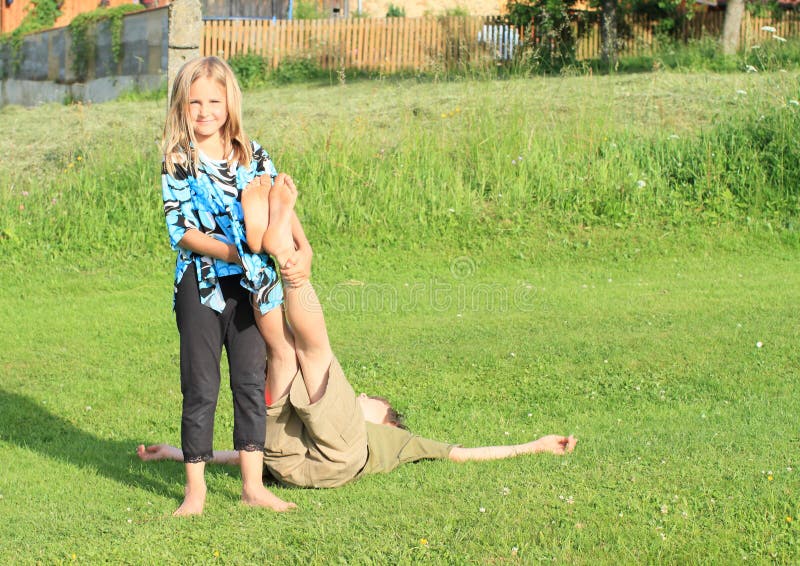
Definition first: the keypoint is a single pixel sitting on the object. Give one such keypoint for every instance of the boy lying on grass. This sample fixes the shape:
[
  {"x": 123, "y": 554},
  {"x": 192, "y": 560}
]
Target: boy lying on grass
[
  {"x": 342, "y": 437},
  {"x": 319, "y": 434}
]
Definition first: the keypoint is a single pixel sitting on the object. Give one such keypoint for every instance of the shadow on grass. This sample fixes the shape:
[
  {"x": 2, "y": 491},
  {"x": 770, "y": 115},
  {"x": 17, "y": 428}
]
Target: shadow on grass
[{"x": 29, "y": 425}]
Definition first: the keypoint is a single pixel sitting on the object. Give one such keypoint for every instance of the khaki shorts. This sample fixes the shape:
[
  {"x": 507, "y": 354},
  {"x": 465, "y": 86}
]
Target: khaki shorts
[{"x": 316, "y": 445}]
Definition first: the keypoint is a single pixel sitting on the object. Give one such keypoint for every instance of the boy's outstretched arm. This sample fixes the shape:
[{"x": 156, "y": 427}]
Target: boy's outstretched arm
[
  {"x": 166, "y": 452},
  {"x": 551, "y": 444}
]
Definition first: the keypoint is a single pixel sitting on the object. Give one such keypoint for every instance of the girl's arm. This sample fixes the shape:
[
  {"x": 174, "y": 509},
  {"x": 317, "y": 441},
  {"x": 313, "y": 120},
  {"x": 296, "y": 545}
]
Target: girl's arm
[
  {"x": 203, "y": 244},
  {"x": 552, "y": 444},
  {"x": 298, "y": 268}
]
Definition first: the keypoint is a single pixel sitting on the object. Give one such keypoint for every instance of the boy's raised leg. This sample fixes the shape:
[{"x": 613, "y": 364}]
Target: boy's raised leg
[
  {"x": 255, "y": 205},
  {"x": 277, "y": 240},
  {"x": 303, "y": 310},
  {"x": 281, "y": 355}
]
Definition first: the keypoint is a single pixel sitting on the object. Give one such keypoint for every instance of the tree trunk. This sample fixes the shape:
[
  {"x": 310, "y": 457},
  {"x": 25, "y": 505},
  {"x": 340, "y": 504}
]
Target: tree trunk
[
  {"x": 734, "y": 11},
  {"x": 608, "y": 33}
]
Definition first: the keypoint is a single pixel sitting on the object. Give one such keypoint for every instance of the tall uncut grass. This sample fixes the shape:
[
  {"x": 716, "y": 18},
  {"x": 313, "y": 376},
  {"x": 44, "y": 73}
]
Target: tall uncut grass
[{"x": 393, "y": 159}]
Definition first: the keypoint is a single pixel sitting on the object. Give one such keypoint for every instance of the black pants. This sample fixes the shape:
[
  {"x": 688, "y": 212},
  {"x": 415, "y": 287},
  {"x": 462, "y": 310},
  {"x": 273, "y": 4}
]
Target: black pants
[{"x": 203, "y": 334}]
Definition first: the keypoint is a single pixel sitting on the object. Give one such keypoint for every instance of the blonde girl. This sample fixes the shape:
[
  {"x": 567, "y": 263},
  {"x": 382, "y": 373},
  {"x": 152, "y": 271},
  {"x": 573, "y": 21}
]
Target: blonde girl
[{"x": 208, "y": 161}]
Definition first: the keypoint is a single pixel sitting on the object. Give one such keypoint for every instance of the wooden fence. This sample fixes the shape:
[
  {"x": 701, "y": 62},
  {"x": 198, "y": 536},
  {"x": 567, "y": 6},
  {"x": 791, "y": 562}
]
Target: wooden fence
[
  {"x": 386, "y": 44},
  {"x": 640, "y": 33},
  {"x": 392, "y": 44}
]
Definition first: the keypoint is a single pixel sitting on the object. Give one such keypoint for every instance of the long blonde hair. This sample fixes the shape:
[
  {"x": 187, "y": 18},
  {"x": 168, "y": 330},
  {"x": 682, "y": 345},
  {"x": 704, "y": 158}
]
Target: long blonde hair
[{"x": 178, "y": 143}]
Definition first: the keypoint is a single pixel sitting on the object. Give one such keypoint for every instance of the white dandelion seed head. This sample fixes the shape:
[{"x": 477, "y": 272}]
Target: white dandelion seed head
[
  {"x": 759, "y": 344},
  {"x": 482, "y": 509},
  {"x": 641, "y": 183}
]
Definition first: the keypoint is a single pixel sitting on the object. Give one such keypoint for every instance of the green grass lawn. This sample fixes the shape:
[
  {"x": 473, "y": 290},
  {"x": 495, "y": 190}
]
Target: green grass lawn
[
  {"x": 652, "y": 362},
  {"x": 491, "y": 302}
]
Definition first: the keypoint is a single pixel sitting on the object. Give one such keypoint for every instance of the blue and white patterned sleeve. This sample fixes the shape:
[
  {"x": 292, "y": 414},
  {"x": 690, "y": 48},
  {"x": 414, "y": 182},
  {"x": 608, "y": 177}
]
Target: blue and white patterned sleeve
[
  {"x": 264, "y": 165},
  {"x": 178, "y": 208}
]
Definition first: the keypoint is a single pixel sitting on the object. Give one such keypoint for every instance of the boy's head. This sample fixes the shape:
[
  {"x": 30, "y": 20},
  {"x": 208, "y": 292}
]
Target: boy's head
[{"x": 378, "y": 410}]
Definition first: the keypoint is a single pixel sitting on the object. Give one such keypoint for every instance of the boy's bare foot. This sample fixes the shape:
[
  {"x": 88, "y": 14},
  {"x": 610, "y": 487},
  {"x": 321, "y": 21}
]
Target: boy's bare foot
[
  {"x": 255, "y": 205},
  {"x": 159, "y": 452},
  {"x": 193, "y": 502},
  {"x": 262, "y": 497},
  {"x": 278, "y": 238}
]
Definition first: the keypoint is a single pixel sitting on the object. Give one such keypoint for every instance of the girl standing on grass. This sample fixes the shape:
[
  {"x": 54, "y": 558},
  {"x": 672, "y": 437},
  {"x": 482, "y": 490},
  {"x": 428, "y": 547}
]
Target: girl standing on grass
[{"x": 208, "y": 161}]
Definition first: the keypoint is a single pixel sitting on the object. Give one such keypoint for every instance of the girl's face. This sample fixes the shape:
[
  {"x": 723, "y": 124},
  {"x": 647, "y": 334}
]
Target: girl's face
[{"x": 208, "y": 109}]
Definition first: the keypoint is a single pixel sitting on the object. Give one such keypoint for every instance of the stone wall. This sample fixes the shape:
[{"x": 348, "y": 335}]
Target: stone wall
[{"x": 46, "y": 70}]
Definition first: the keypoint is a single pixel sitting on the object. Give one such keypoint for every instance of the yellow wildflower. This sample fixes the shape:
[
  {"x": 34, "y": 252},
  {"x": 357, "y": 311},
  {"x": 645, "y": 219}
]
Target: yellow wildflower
[{"x": 423, "y": 542}]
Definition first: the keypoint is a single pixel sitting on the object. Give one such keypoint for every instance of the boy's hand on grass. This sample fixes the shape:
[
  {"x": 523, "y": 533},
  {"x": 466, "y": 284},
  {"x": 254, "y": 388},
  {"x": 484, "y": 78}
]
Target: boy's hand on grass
[
  {"x": 555, "y": 444},
  {"x": 159, "y": 452}
]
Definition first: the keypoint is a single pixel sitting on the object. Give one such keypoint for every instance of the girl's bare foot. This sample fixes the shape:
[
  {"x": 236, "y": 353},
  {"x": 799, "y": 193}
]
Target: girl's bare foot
[
  {"x": 193, "y": 502},
  {"x": 278, "y": 238},
  {"x": 259, "y": 496},
  {"x": 255, "y": 205}
]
